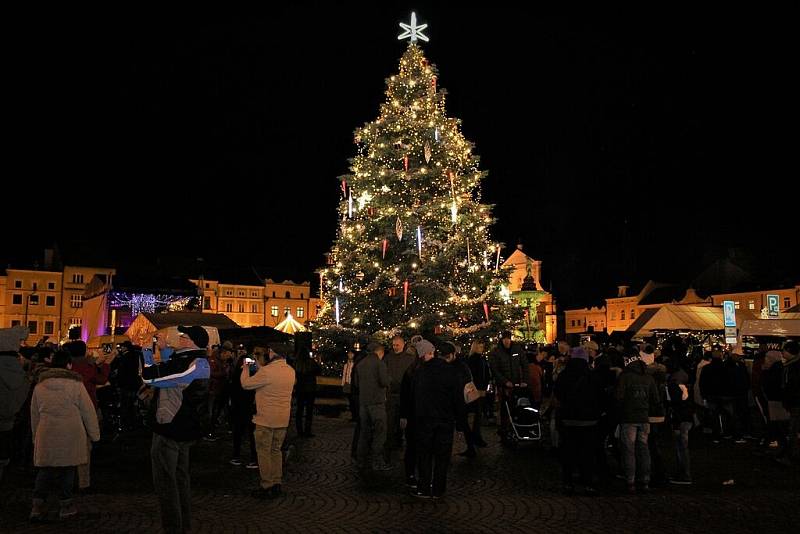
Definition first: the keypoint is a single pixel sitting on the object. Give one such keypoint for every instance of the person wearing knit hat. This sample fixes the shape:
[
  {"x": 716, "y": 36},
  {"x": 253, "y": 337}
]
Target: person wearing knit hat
[{"x": 14, "y": 387}]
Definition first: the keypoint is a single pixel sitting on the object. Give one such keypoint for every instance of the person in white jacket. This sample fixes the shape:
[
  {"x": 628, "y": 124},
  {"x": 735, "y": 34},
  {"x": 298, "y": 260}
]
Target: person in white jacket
[{"x": 273, "y": 381}]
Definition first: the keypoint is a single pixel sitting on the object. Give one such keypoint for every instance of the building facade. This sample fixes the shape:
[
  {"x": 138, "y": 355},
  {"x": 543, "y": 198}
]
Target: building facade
[{"x": 49, "y": 302}]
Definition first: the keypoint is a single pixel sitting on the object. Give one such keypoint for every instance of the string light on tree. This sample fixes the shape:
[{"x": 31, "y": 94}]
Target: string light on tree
[{"x": 413, "y": 168}]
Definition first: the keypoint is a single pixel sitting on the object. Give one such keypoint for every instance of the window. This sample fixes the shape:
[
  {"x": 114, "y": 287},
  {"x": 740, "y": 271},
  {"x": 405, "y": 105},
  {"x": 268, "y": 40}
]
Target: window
[
  {"x": 76, "y": 301},
  {"x": 751, "y": 304},
  {"x": 301, "y": 295},
  {"x": 633, "y": 314},
  {"x": 273, "y": 311},
  {"x": 16, "y": 298},
  {"x": 228, "y": 307},
  {"x": 254, "y": 308},
  {"x": 787, "y": 302},
  {"x": 33, "y": 326},
  {"x": 75, "y": 321},
  {"x": 51, "y": 285},
  {"x": 18, "y": 284},
  {"x": 241, "y": 307},
  {"x": 228, "y": 293},
  {"x": 273, "y": 294},
  {"x": 48, "y": 327},
  {"x": 77, "y": 278},
  {"x": 50, "y": 300},
  {"x": 572, "y": 322},
  {"x": 613, "y": 316},
  {"x": 208, "y": 285},
  {"x": 736, "y": 305},
  {"x": 14, "y": 323},
  {"x": 254, "y": 293},
  {"x": 241, "y": 292},
  {"x": 287, "y": 310},
  {"x": 288, "y": 295},
  {"x": 301, "y": 312},
  {"x": 622, "y": 315},
  {"x": 33, "y": 300},
  {"x": 206, "y": 303}
]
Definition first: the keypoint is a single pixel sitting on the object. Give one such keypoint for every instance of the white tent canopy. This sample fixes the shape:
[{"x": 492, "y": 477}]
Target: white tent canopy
[
  {"x": 290, "y": 325},
  {"x": 686, "y": 318}
]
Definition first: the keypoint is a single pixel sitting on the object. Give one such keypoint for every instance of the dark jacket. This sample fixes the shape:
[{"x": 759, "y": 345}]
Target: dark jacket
[
  {"x": 714, "y": 380},
  {"x": 438, "y": 392},
  {"x": 738, "y": 377},
  {"x": 508, "y": 365},
  {"x": 771, "y": 382},
  {"x": 397, "y": 365},
  {"x": 659, "y": 373},
  {"x": 191, "y": 420},
  {"x": 681, "y": 411},
  {"x": 243, "y": 401},
  {"x": 407, "y": 403},
  {"x": 479, "y": 367},
  {"x": 790, "y": 385},
  {"x": 636, "y": 395},
  {"x": 579, "y": 393},
  {"x": 125, "y": 369},
  {"x": 372, "y": 379},
  {"x": 306, "y": 372}
]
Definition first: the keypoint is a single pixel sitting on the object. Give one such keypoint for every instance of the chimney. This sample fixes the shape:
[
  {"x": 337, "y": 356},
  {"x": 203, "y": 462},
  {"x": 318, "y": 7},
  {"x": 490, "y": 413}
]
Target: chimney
[
  {"x": 622, "y": 291},
  {"x": 48, "y": 259}
]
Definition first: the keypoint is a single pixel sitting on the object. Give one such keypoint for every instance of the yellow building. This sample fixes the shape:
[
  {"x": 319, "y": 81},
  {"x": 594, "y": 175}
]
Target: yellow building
[
  {"x": 756, "y": 301},
  {"x": 525, "y": 285},
  {"x": 259, "y": 305},
  {"x": 585, "y": 320},
  {"x": 48, "y": 301}
]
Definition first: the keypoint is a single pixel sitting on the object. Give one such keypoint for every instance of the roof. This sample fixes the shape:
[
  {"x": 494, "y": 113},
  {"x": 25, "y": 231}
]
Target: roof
[
  {"x": 665, "y": 294},
  {"x": 771, "y": 327},
  {"x": 163, "y": 320},
  {"x": 684, "y": 317},
  {"x": 640, "y": 321}
]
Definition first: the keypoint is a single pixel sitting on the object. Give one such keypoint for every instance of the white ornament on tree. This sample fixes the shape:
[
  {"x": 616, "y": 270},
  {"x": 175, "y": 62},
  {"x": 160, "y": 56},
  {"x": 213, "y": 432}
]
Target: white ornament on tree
[
  {"x": 427, "y": 152},
  {"x": 398, "y": 228}
]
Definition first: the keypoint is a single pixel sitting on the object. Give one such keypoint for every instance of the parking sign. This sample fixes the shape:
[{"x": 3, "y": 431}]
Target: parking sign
[
  {"x": 729, "y": 313},
  {"x": 772, "y": 305}
]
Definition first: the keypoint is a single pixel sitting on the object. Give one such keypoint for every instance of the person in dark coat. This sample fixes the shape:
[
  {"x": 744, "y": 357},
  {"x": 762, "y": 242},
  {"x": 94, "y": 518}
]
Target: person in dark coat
[
  {"x": 307, "y": 370},
  {"x": 715, "y": 388},
  {"x": 448, "y": 352},
  {"x": 408, "y": 418},
  {"x": 509, "y": 367},
  {"x": 579, "y": 394},
  {"x": 242, "y": 410},
  {"x": 681, "y": 416},
  {"x": 14, "y": 387},
  {"x": 481, "y": 376},
  {"x": 438, "y": 404}
]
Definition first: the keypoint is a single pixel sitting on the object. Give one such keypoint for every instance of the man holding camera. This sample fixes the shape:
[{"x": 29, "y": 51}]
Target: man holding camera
[{"x": 273, "y": 382}]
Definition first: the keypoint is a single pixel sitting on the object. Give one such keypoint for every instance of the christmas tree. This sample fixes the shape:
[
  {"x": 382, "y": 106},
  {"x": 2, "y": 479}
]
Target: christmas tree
[{"x": 413, "y": 252}]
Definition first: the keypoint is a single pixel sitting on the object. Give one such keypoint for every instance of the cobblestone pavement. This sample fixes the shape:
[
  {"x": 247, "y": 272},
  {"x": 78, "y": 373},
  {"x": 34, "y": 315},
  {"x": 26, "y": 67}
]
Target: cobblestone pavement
[{"x": 500, "y": 491}]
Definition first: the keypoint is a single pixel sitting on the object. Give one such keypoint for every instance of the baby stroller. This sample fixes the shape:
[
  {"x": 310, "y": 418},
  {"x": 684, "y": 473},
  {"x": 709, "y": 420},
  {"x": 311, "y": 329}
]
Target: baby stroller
[{"x": 525, "y": 425}]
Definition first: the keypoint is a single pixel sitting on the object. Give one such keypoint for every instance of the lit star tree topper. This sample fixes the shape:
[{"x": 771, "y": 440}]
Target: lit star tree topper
[{"x": 412, "y": 31}]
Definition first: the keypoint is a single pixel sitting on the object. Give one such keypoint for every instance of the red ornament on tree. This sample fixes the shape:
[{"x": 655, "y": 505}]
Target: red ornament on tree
[
  {"x": 371, "y": 211},
  {"x": 437, "y": 330},
  {"x": 405, "y": 293},
  {"x": 486, "y": 311},
  {"x": 392, "y": 291},
  {"x": 405, "y": 162},
  {"x": 385, "y": 246}
]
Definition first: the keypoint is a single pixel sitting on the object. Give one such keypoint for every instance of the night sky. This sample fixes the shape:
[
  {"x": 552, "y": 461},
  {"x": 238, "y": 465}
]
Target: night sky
[{"x": 617, "y": 150}]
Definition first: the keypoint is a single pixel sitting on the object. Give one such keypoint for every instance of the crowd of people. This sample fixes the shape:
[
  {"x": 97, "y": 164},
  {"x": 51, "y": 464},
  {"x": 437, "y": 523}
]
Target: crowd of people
[{"x": 610, "y": 408}]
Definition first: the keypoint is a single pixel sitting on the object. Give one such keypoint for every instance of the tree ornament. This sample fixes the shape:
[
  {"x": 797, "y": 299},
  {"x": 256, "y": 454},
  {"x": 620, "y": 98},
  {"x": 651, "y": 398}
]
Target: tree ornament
[
  {"x": 405, "y": 162},
  {"x": 405, "y": 294},
  {"x": 371, "y": 211},
  {"x": 419, "y": 242},
  {"x": 432, "y": 87},
  {"x": 454, "y": 212},
  {"x": 412, "y": 31},
  {"x": 359, "y": 275},
  {"x": 436, "y": 135},
  {"x": 398, "y": 229},
  {"x": 437, "y": 329},
  {"x": 392, "y": 291},
  {"x": 427, "y": 152},
  {"x": 486, "y": 311},
  {"x": 337, "y": 310},
  {"x": 385, "y": 245}
]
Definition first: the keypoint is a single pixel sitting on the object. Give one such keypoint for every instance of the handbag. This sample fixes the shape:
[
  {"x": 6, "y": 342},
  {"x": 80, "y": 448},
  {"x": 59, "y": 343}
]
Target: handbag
[{"x": 471, "y": 393}]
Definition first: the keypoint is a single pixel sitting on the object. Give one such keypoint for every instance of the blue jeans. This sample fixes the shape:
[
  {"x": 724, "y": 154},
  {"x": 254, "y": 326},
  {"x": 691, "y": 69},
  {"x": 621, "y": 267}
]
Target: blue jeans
[
  {"x": 58, "y": 478},
  {"x": 170, "y": 460},
  {"x": 635, "y": 453},
  {"x": 682, "y": 450}
]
